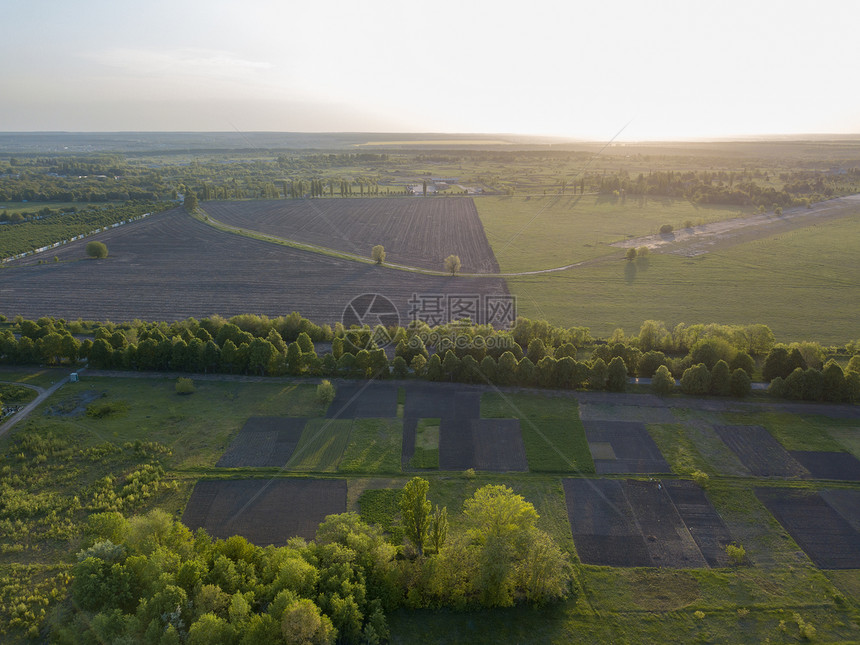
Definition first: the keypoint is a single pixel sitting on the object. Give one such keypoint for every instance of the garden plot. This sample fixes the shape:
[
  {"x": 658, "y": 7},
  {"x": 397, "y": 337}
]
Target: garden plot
[
  {"x": 644, "y": 523},
  {"x": 483, "y": 444},
  {"x": 442, "y": 400},
  {"x": 702, "y": 520},
  {"x": 264, "y": 442},
  {"x": 846, "y": 503},
  {"x": 829, "y": 540},
  {"x": 623, "y": 447},
  {"x": 829, "y": 465},
  {"x": 610, "y": 412},
  {"x": 760, "y": 452},
  {"x": 265, "y": 511},
  {"x": 364, "y": 400}
]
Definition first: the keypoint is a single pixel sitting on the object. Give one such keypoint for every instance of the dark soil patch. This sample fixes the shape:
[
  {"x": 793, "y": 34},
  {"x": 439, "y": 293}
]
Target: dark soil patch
[
  {"x": 364, "y": 400},
  {"x": 498, "y": 445},
  {"x": 644, "y": 524},
  {"x": 633, "y": 448},
  {"x": 407, "y": 449},
  {"x": 702, "y": 520},
  {"x": 264, "y": 511},
  {"x": 829, "y": 465},
  {"x": 831, "y": 410},
  {"x": 456, "y": 444},
  {"x": 604, "y": 528},
  {"x": 763, "y": 455},
  {"x": 442, "y": 400},
  {"x": 75, "y": 406},
  {"x": 824, "y": 535},
  {"x": 264, "y": 442},
  {"x": 846, "y": 503},
  {"x": 666, "y": 537}
]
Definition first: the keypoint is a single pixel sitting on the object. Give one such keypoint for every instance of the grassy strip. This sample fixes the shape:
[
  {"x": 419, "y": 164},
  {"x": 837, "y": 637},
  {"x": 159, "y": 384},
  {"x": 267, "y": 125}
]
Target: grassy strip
[
  {"x": 374, "y": 447},
  {"x": 796, "y": 432},
  {"x": 426, "y": 453},
  {"x": 381, "y": 506},
  {"x": 322, "y": 445}
]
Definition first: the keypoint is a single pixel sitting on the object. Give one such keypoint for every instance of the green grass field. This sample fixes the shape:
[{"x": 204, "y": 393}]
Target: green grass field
[
  {"x": 543, "y": 232},
  {"x": 426, "y": 453},
  {"x": 374, "y": 447},
  {"x": 801, "y": 284},
  {"x": 552, "y": 432},
  {"x": 797, "y": 432}
]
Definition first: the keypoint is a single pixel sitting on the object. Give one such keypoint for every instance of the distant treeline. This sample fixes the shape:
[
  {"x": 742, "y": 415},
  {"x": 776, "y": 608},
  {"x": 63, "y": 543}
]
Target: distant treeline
[
  {"x": 708, "y": 359},
  {"x": 735, "y": 188}
]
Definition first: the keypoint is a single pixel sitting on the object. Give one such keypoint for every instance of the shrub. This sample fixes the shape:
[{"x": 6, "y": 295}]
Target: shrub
[
  {"x": 97, "y": 250},
  {"x": 184, "y": 386},
  {"x": 737, "y": 554},
  {"x": 662, "y": 383},
  {"x": 701, "y": 478},
  {"x": 667, "y": 228},
  {"x": 104, "y": 409},
  {"x": 377, "y": 254},
  {"x": 325, "y": 392},
  {"x": 739, "y": 384},
  {"x": 469, "y": 473}
]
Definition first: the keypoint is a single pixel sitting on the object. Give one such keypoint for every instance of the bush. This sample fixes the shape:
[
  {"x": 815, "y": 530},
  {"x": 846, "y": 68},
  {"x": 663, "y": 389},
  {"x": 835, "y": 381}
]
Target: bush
[
  {"x": 662, "y": 383},
  {"x": 377, "y": 254},
  {"x": 696, "y": 380},
  {"x": 184, "y": 386},
  {"x": 739, "y": 384},
  {"x": 666, "y": 228},
  {"x": 106, "y": 408},
  {"x": 700, "y": 477},
  {"x": 97, "y": 250},
  {"x": 737, "y": 554},
  {"x": 325, "y": 392}
]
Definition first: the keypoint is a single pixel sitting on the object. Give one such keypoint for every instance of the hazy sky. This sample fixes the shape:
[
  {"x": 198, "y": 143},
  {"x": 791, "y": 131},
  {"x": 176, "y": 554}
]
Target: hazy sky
[{"x": 578, "y": 69}]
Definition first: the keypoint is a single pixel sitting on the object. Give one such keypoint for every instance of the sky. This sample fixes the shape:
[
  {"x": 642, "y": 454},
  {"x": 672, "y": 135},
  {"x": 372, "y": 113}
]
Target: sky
[{"x": 593, "y": 70}]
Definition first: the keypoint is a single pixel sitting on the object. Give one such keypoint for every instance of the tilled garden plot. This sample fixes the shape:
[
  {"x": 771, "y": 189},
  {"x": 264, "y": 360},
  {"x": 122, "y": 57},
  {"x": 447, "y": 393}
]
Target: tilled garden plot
[
  {"x": 623, "y": 447},
  {"x": 829, "y": 465},
  {"x": 763, "y": 455},
  {"x": 442, "y": 400},
  {"x": 643, "y": 523},
  {"x": 494, "y": 445},
  {"x": 829, "y": 540},
  {"x": 264, "y": 511},
  {"x": 364, "y": 400},
  {"x": 846, "y": 503},
  {"x": 264, "y": 442}
]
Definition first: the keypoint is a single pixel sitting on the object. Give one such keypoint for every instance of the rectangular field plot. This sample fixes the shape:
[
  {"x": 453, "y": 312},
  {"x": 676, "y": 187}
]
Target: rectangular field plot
[
  {"x": 441, "y": 400},
  {"x": 374, "y": 447},
  {"x": 321, "y": 446},
  {"x": 760, "y": 452},
  {"x": 623, "y": 447},
  {"x": 829, "y": 465},
  {"x": 483, "y": 444},
  {"x": 265, "y": 511},
  {"x": 364, "y": 400},
  {"x": 424, "y": 450},
  {"x": 829, "y": 540},
  {"x": 264, "y": 442},
  {"x": 551, "y": 430},
  {"x": 846, "y": 503},
  {"x": 644, "y": 524}
]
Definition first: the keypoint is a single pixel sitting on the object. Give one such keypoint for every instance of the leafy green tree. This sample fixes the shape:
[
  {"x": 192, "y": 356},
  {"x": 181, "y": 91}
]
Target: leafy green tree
[
  {"x": 377, "y": 254},
  {"x": 711, "y": 350},
  {"x": 649, "y": 363},
  {"x": 526, "y": 372},
  {"x": 325, "y": 392},
  {"x": 616, "y": 377},
  {"x": 696, "y": 380},
  {"x": 190, "y": 202},
  {"x": 631, "y": 254},
  {"x": 740, "y": 385},
  {"x": 439, "y": 528},
  {"x": 833, "y": 382},
  {"x": 415, "y": 512},
  {"x": 399, "y": 367},
  {"x": 662, "y": 383},
  {"x": 536, "y": 350},
  {"x": 720, "y": 379},
  {"x": 743, "y": 361},
  {"x": 597, "y": 374},
  {"x": 303, "y": 624},
  {"x": 210, "y": 629},
  {"x": 452, "y": 264},
  {"x": 97, "y": 250}
]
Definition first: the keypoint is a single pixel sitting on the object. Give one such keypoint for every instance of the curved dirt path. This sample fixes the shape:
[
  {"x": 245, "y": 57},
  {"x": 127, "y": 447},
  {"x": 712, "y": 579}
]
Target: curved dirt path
[
  {"x": 32, "y": 405},
  {"x": 699, "y": 240}
]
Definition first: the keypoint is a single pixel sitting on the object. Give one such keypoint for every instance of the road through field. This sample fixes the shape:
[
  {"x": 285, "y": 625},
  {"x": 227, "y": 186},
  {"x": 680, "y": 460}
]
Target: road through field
[{"x": 708, "y": 237}]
